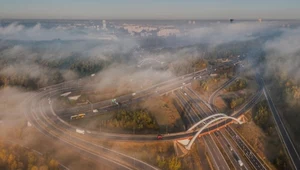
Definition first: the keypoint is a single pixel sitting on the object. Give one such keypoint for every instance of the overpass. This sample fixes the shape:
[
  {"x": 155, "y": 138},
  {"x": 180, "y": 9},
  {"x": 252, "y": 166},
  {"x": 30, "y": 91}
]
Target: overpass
[{"x": 215, "y": 118}]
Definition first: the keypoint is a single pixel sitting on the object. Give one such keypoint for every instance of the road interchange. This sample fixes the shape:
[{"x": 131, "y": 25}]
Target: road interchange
[{"x": 50, "y": 124}]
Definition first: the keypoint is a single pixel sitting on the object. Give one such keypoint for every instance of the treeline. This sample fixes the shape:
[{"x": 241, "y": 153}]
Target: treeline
[
  {"x": 45, "y": 73},
  {"x": 15, "y": 157},
  {"x": 239, "y": 84},
  {"x": 24, "y": 80},
  {"x": 134, "y": 120},
  {"x": 187, "y": 65},
  {"x": 262, "y": 117},
  {"x": 235, "y": 102},
  {"x": 206, "y": 83}
]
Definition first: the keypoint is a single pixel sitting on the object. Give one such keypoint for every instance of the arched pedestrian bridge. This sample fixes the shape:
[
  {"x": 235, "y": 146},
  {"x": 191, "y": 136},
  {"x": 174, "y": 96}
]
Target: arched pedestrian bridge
[{"x": 207, "y": 122}]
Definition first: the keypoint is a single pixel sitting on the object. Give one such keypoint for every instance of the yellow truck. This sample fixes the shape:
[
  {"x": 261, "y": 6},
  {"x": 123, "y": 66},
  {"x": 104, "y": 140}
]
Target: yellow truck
[{"x": 79, "y": 116}]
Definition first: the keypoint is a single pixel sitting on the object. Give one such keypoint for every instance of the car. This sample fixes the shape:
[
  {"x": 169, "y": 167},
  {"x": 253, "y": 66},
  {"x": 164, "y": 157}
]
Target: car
[{"x": 159, "y": 137}]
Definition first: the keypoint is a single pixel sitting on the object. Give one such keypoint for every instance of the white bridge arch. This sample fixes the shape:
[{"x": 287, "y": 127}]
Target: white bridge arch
[
  {"x": 205, "y": 119},
  {"x": 219, "y": 116}
]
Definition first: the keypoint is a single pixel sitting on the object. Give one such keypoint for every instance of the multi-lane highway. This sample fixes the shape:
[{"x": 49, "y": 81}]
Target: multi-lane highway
[
  {"x": 192, "y": 97},
  {"x": 284, "y": 136},
  {"x": 256, "y": 163},
  {"x": 44, "y": 118},
  {"x": 194, "y": 116}
]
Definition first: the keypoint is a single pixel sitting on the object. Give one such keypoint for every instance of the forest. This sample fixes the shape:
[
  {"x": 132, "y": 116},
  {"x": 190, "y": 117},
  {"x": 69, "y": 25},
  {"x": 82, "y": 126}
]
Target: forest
[
  {"x": 15, "y": 157},
  {"x": 137, "y": 120}
]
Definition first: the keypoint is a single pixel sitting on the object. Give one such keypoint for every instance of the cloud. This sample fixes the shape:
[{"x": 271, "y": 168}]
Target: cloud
[
  {"x": 287, "y": 43},
  {"x": 283, "y": 52},
  {"x": 17, "y": 31},
  {"x": 218, "y": 33}
]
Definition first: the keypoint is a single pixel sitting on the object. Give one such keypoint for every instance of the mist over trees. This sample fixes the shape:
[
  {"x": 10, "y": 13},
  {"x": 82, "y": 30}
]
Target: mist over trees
[{"x": 36, "y": 57}]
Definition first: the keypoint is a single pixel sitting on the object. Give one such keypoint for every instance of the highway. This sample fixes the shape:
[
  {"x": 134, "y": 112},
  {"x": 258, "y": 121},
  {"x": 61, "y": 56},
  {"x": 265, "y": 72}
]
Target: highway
[
  {"x": 172, "y": 136},
  {"x": 256, "y": 163},
  {"x": 48, "y": 121},
  {"x": 230, "y": 150},
  {"x": 213, "y": 150},
  {"x": 41, "y": 114},
  {"x": 40, "y": 117},
  {"x": 284, "y": 136},
  {"x": 151, "y": 91},
  {"x": 191, "y": 95}
]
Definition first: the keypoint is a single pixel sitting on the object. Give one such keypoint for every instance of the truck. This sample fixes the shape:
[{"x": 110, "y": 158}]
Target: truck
[
  {"x": 240, "y": 162},
  {"x": 74, "y": 117},
  {"x": 80, "y": 131},
  {"x": 81, "y": 115}
]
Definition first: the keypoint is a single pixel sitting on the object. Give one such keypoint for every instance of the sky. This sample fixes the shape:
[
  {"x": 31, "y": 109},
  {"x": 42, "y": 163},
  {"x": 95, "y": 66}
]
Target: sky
[{"x": 150, "y": 9}]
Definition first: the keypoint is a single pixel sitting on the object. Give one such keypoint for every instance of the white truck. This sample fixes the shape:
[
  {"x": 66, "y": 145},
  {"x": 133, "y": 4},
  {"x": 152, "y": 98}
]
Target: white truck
[
  {"x": 80, "y": 131},
  {"x": 240, "y": 162}
]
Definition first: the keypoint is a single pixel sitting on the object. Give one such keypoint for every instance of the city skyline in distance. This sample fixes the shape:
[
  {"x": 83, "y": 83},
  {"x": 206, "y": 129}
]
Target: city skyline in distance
[{"x": 149, "y": 9}]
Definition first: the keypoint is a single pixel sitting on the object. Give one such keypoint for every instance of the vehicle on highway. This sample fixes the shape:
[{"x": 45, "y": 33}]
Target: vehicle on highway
[
  {"x": 240, "y": 163},
  {"x": 79, "y": 116},
  {"x": 159, "y": 137},
  {"x": 133, "y": 94},
  {"x": 237, "y": 158},
  {"x": 80, "y": 131},
  {"x": 73, "y": 117},
  {"x": 95, "y": 111}
]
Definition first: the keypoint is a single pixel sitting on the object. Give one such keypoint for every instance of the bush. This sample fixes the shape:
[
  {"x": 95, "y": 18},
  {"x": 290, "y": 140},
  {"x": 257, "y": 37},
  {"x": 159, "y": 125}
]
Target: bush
[
  {"x": 16, "y": 157},
  {"x": 238, "y": 85},
  {"x": 135, "y": 120}
]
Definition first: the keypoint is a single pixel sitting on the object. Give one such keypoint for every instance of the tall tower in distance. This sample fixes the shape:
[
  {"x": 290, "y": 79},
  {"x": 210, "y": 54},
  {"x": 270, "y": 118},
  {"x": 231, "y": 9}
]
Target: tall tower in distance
[{"x": 104, "y": 25}]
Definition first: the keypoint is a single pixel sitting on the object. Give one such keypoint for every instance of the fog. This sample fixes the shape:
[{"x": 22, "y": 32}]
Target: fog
[
  {"x": 283, "y": 53},
  {"x": 52, "y": 55},
  {"x": 17, "y": 31}
]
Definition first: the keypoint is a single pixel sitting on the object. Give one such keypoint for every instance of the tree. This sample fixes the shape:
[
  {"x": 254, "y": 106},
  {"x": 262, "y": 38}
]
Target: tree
[
  {"x": 34, "y": 168},
  {"x": 161, "y": 161},
  {"x": 174, "y": 163},
  {"x": 53, "y": 164},
  {"x": 43, "y": 167},
  {"x": 31, "y": 158}
]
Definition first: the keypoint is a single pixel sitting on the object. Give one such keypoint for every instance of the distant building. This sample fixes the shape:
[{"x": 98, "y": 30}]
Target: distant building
[
  {"x": 104, "y": 25},
  {"x": 167, "y": 32}
]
